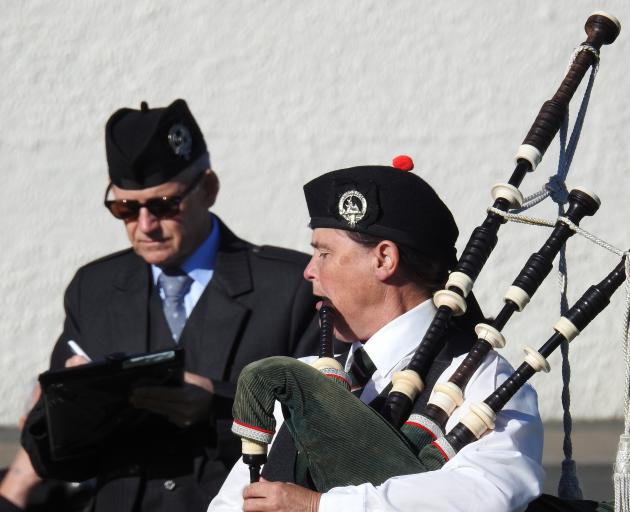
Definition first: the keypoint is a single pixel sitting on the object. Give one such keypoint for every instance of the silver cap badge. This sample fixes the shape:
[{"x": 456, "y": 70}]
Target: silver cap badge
[
  {"x": 180, "y": 140},
  {"x": 352, "y": 207}
]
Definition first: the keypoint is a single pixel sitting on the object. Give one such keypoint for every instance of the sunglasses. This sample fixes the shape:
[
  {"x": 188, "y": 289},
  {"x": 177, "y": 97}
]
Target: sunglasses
[{"x": 164, "y": 207}]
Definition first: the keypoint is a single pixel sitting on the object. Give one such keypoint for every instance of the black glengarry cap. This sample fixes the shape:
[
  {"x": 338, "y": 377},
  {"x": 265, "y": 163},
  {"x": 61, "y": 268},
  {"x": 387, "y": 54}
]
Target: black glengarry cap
[{"x": 148, "y": 147}]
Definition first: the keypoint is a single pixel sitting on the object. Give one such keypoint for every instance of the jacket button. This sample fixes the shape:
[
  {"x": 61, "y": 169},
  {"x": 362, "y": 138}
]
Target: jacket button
[{"x": 169, "y": 485}]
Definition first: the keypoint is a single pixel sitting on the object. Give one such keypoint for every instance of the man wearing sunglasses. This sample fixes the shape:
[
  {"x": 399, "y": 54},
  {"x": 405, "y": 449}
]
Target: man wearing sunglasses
[{"x": 188, "y": 282}]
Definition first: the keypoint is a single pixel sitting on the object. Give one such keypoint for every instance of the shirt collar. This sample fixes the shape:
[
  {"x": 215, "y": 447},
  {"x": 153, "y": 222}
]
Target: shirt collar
[
  {"x": 397, "y": 339},
  {"x": 200, "y": 264}
]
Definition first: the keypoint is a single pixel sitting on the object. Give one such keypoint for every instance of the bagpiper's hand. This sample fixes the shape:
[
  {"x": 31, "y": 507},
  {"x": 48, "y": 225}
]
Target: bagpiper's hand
[
  {"x": 184, "y": 406},
  {"x": 266, "y": 496}
]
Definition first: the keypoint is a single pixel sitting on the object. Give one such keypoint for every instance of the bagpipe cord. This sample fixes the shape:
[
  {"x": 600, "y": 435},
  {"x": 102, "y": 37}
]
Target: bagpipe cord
[
  {"x": 621, "y": 475},
  {"x": 568, "y": 485}
]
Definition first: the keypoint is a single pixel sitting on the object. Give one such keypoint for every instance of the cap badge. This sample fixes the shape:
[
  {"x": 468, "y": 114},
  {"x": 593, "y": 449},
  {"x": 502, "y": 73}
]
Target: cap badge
[
  {"x": 352, "y": 207},
  {"x": 180, "y": 140}
]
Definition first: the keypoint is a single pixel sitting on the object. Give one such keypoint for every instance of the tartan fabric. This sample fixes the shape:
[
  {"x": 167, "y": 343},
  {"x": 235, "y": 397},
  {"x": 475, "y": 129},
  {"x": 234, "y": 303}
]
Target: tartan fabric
[
  {"x": 339, "y": 375},
  {"x": 319, "y": 414},
  {"x": 420, "y": 431},
  {"x": 439, "y": 448},
  {"x": 253, "y": 433}
]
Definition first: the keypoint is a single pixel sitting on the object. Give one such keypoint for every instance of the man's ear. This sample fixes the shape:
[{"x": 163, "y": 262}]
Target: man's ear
[
  {"x": 211, "y": 187},
  {"x": 387, "y": 259}
]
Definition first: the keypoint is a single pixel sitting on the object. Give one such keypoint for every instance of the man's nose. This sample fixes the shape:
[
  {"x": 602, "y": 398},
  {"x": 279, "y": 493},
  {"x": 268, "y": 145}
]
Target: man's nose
[
  {"x": 309, "y": 271},
  {"x": 147, "y": 222}
]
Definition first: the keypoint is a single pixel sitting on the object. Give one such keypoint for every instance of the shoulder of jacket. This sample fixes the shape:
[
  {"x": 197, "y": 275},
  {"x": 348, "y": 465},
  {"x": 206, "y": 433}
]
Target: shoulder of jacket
[
  {"x": 270, "y": 252},
  {"x": 113, "y": 258}
]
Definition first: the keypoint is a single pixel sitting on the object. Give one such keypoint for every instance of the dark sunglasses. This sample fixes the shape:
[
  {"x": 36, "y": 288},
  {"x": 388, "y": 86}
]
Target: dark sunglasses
[{"x": 163, "y": 207}]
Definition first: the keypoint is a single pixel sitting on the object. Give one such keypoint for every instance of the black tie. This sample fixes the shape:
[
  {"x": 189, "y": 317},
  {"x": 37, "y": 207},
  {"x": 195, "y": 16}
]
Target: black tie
[{"x": 362, "y": 368}]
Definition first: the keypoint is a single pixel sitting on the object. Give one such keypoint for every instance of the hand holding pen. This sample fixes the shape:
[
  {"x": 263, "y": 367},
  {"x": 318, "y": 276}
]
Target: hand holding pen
[{"x": 79, "y": 357}]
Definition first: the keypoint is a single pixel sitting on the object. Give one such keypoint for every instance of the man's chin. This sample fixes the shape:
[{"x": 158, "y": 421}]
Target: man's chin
[
  {"x": 341, "y": 330},
  {"x": 344, "y": 336},
  {"x": 157, "y": 257}
]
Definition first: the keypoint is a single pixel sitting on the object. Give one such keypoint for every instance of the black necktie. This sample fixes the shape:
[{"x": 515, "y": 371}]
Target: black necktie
[{"x": 362, "y": 368}]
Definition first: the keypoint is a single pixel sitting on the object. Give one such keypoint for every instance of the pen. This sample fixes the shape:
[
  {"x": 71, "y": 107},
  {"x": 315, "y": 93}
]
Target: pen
[{"x": 74, "y": 346}]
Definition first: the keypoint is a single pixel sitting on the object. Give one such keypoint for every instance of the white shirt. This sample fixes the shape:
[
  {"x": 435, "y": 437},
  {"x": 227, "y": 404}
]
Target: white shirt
[
  {"x": 199, "y": 266},
  {"x": 500, "y": 472}
]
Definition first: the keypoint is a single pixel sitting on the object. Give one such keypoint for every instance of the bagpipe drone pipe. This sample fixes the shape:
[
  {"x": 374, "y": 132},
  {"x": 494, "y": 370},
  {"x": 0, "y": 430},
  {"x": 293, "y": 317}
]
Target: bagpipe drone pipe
[
  {"x": 293, "y": 383},
  {"x": 423, "y": 428},
  {"x": 600, "y": 29}
]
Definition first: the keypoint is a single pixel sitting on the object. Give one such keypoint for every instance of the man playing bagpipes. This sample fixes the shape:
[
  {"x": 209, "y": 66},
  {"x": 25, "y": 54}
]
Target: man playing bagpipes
[{"x": 383, "y": 243}]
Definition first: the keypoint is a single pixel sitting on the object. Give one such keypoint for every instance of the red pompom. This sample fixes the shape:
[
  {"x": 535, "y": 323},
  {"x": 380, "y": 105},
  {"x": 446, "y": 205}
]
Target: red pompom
[{"x": 403, "y": 162}]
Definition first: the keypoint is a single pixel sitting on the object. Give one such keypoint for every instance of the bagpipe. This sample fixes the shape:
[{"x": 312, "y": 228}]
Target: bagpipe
[
  {"x": 417, "y": 443},
  {"x": 320, "y": 433}
]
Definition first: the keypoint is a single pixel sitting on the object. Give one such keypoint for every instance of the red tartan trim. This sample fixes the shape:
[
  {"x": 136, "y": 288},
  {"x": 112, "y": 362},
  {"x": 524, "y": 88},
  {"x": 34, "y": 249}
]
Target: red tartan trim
[
  {"x": 338, "y": 377},
  {"x": 253, "y": 427},
  {"x": 446, "y": 459},
  {"x": 426, "y": 429}
]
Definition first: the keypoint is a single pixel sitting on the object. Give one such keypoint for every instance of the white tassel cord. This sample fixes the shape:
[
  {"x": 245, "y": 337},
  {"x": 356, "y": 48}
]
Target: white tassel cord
[{"x": 621, "y": 476}]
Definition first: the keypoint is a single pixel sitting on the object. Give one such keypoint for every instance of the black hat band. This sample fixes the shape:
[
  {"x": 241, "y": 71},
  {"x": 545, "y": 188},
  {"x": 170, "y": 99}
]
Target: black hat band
[{"x": 197, "y": 167}]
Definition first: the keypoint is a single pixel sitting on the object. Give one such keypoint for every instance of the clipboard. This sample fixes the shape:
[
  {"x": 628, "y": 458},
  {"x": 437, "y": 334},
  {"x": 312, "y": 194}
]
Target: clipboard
[{"x": 87, "y": 406}]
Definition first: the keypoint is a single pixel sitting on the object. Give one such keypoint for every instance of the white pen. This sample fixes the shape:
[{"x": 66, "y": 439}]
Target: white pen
[{"x": 74, "y": 346}]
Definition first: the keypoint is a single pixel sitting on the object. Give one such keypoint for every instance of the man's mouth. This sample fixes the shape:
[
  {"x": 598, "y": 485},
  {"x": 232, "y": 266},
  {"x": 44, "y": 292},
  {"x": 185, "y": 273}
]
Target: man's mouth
[
  {"x": 323, "y": 301},
  {"x": 152, "y": 241}
]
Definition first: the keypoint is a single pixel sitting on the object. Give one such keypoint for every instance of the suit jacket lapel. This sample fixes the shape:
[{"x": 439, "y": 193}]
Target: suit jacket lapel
[
  {"x": 129, "y": 308},
  {"x": 215, "y": 324}
]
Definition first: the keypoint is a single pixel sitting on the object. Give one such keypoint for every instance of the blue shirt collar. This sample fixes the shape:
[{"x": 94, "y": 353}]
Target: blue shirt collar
[{"x": 200, "y": 264}]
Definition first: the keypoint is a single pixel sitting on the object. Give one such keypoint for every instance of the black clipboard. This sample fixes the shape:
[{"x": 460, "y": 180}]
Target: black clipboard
[{"x": 88, "y": 406}]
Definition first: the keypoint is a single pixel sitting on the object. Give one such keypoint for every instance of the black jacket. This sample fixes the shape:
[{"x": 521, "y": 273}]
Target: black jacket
[{"x": 256, "y": 305}]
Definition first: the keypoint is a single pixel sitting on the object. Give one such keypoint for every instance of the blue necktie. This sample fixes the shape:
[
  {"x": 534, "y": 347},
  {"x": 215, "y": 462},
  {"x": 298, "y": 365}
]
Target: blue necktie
[{"x": 175, "y": 285}]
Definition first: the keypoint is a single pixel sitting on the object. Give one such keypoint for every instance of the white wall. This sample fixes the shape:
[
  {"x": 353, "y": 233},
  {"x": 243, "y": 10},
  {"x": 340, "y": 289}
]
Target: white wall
[{"x": 285, "y": 90}]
